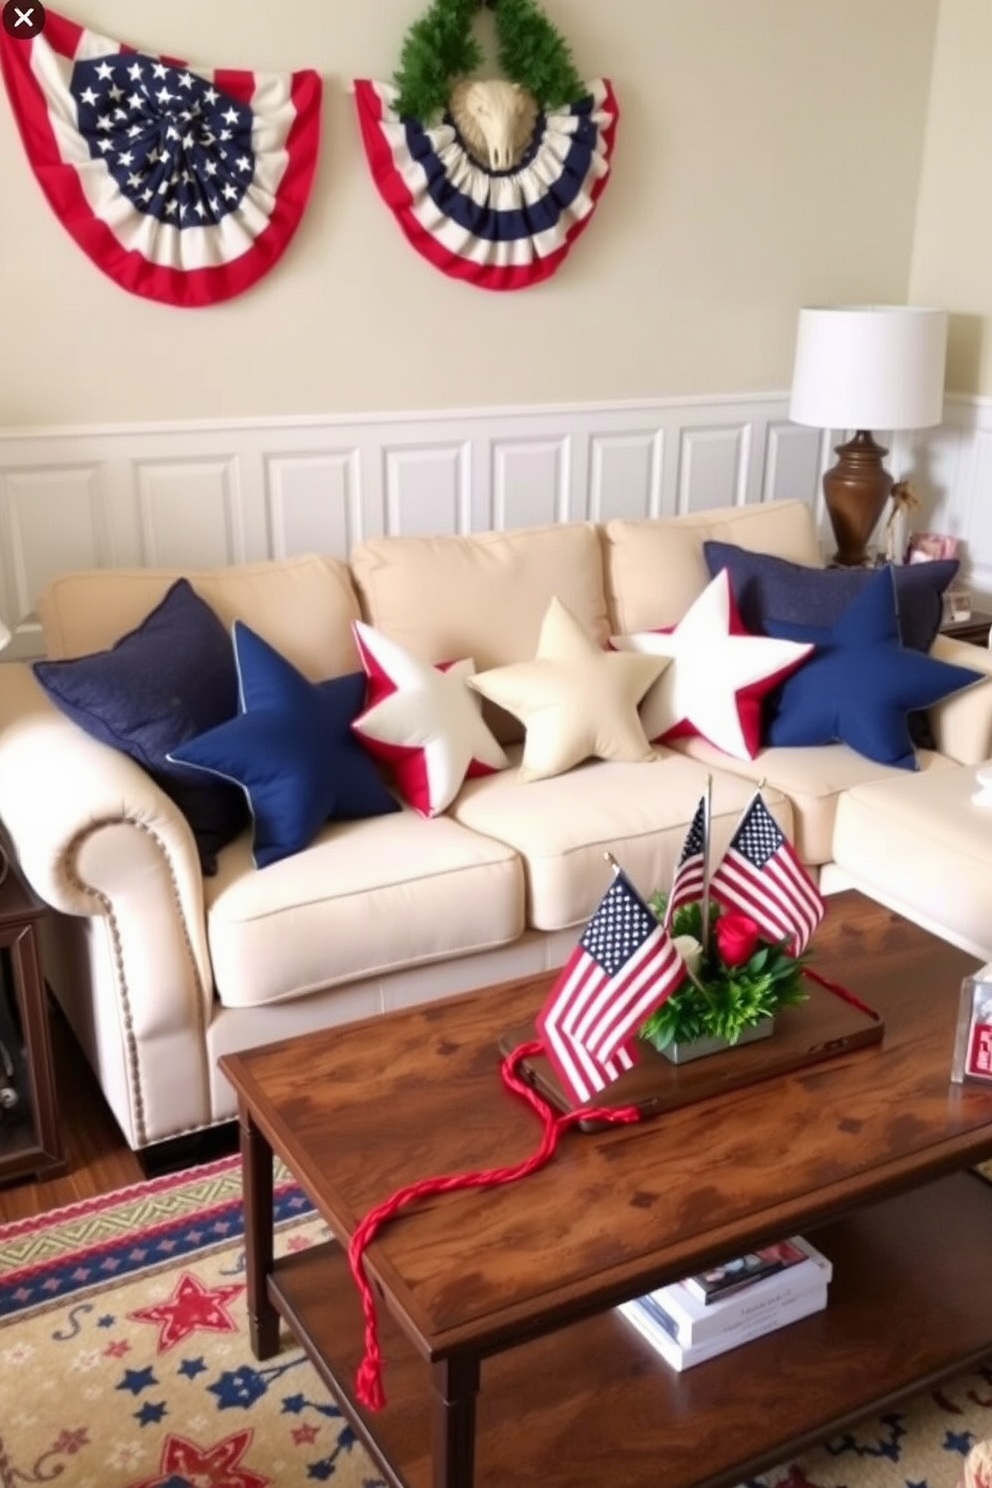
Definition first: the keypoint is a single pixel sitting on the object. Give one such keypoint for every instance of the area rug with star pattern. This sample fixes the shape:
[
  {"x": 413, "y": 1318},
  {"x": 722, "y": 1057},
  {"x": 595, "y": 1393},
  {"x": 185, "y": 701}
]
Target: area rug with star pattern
[{"x": 125, "y": 1362}]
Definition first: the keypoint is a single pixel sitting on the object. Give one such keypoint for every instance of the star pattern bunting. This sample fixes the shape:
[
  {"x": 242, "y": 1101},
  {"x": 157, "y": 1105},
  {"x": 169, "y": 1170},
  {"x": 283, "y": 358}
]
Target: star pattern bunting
[
  {"x": 183, "y": 185},
  {"x": 177, "y": 147}
]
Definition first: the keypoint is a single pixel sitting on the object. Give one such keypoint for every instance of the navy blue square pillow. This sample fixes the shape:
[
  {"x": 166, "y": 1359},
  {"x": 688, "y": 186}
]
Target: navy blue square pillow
[
  {"x": 771, "y": 590},
  {"x": 291, "y": 748},
  {"x": 159, "y": 685},
  {"x": 768, "y": 588}
]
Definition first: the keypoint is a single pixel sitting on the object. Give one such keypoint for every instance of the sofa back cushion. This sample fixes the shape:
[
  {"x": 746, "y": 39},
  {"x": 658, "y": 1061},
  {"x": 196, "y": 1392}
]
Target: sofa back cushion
[
  {"x": 482, "y": 596},
  {"x": 304, "y": 607},
  {"x": 655, "y": 567}
]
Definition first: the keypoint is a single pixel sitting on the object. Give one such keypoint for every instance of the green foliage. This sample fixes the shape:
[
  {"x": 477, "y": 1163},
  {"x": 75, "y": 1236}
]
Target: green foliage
[
  {"x": 439, "y": 48},
  {"x": 729, "y": 999},
  {"x": 531, "y": 52}
]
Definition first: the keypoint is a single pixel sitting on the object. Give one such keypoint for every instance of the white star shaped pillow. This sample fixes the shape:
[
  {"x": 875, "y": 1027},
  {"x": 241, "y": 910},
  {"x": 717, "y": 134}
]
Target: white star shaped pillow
[
  {"x": 423, "y": 722},
  {"x": 575, "y": 700},
  {"x": 718, "y": 673}
]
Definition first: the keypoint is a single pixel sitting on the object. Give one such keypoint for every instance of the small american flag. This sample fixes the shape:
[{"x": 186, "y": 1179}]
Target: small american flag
[
  {"x": 622, "y": 968},
  {"x": 761, "y": 875},
  {"x": 690, "y": 872}
]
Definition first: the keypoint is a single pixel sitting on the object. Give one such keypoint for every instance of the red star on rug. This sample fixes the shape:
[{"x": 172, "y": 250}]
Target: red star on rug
[
  {"x": 185, "y": 1462},
  {"x": 191, "y": 1306}
]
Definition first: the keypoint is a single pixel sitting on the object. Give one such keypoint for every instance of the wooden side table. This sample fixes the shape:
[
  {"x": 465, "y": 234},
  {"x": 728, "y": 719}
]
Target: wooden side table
[
  {"x": 975, "y": 629},
  {"x": 30, "y": 1140}
]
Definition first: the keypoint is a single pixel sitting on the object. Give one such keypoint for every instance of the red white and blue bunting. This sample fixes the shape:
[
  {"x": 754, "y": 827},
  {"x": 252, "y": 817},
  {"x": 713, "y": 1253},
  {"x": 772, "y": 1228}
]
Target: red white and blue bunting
[
  {"x": 184, "y": 186},
  {"x": 496, "y": 229}
]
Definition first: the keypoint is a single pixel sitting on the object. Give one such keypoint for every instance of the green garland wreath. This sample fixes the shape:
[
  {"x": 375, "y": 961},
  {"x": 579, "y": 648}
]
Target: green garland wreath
[{"x": 439, "y": 48}]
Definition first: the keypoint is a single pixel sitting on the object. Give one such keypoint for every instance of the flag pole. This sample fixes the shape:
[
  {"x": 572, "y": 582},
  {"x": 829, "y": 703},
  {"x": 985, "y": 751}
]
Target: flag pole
[
  {"x": 707, "y": 804},
  {"x": 612, "y": 862}
]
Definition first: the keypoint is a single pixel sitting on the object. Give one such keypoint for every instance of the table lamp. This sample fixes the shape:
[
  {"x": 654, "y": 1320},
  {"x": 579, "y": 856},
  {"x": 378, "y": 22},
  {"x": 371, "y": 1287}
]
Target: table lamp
[{"x": 864, "y": 367}]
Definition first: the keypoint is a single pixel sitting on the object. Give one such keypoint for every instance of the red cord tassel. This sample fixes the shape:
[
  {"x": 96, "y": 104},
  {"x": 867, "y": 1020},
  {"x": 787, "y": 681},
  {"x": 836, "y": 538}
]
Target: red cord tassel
[
  {"x": 843, "y": 992},
  {"x": 368, "y": 1380}
]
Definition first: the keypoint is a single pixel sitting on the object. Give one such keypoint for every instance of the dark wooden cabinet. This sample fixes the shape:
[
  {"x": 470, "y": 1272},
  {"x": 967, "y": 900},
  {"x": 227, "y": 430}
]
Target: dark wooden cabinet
[
  {"x": 975, "y": 629},
  {"x": 30, "y": 1140}
]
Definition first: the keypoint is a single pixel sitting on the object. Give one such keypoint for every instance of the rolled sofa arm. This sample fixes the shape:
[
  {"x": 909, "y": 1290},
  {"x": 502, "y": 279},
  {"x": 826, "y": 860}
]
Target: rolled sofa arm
[
  {"x": 95, "y": 836},
  {"x": 962, "y": 723}
]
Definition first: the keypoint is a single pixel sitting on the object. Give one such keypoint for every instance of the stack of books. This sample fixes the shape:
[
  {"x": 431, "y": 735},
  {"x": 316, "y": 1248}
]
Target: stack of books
[{"x": 693, "y": 1320}]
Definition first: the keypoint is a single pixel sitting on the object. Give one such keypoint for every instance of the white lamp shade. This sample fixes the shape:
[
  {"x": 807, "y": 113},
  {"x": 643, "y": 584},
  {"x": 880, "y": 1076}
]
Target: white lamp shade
[
  {"x": 869, "y": 367},
  {"x": 4, "y": 635}
]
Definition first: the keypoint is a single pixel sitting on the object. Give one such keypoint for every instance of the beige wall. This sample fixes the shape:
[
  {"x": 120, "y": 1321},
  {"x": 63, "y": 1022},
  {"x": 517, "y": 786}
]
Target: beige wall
[
  {"x": 768, "y": 155},
  {"x": 952, "y": 250}
]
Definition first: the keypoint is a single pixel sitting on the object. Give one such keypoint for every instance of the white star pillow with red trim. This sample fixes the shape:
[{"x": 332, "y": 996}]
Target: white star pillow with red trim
[
  {"x": 423, "y": 722},
  {"x": 717, "y": 676}
]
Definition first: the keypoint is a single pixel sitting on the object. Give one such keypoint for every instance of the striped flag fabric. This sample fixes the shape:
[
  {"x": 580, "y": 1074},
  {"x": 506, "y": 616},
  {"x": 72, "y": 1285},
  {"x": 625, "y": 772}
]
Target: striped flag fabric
[
  {"x": 761, "y": 875},
  {"x": 184, "y": 186},
  {"x": 623, "y": 966},
  {"x": 496, "y": 229},
  {"x": 690, "y": 871}
]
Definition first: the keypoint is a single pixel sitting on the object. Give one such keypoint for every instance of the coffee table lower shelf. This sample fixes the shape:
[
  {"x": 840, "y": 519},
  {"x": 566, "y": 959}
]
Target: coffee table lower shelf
[{"x": 592, "y": 1403}]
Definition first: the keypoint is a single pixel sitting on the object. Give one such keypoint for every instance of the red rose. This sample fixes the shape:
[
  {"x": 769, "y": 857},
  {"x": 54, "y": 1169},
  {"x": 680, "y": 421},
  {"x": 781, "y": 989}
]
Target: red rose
[{"x": 736, "y": 937}]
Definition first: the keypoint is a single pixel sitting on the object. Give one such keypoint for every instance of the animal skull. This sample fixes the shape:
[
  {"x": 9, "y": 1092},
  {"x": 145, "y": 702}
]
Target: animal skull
[{"x": 495, "y": 119}]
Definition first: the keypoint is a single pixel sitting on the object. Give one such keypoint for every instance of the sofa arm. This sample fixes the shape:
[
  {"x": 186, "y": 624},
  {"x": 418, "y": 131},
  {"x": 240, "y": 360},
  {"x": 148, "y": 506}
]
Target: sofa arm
[
  {"x": 962, "y": 723},
  {"x": 94, "y": 835}
]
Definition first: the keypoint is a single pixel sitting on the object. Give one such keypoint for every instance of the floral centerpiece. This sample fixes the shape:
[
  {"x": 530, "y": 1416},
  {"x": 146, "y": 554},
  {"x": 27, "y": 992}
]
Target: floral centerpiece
[{"x": 736, "y": 979}]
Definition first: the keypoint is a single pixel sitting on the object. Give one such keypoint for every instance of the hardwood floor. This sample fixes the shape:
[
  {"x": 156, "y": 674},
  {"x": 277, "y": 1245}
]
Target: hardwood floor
[{"x": 98, "y": 1160}]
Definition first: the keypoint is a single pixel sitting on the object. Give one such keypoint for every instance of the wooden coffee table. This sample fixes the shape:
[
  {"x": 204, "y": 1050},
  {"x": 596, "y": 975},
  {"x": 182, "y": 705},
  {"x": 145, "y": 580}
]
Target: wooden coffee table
[{"x": 505, "y": 1361}]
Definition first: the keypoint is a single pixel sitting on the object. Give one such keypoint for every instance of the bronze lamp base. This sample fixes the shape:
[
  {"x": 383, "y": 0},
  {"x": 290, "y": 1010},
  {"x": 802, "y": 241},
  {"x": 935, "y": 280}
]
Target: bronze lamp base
[{"x": 855, "y": 491}]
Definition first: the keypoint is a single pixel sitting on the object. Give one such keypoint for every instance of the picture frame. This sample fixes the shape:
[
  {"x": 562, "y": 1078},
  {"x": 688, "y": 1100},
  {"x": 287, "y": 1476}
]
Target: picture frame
[
  {"x": 924, "y": 546},
  {"x": 972, "y": 1058}
]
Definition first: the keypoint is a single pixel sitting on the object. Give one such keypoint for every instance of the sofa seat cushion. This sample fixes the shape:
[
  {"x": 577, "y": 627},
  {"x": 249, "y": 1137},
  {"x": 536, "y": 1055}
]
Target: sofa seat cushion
[
  {"x": 363, "y": 899},
  {"x": 483, "y": 596},
  {"x": 302, "y": 606},
  {"x": 920, "y": 844},
  {"x": 813, "y": 778},
  {"x": 563, "y": 826}
]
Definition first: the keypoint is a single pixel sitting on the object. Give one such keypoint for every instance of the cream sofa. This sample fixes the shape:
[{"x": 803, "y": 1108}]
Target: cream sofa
[{"x": 161, "y": 970}]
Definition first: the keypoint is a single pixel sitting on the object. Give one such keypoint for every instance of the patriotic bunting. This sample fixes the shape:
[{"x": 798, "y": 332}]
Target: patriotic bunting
[
  {"x": 184, "y": 186},
  {"x": 497, "y": 229}
]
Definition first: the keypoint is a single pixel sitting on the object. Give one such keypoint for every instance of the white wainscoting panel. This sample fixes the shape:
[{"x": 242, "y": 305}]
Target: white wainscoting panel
[
  {"x": 531, "y": 483},
  {"x": 313, "y": 496},
  {"x": 240, "y": 491},
  {"x": 428, "y": 489},
  {"x": 950, "y": 470},
  {"x": 625, "y": 471},
  {"x": 191, "y": 510},
  {"x": 711, "y": 461}
]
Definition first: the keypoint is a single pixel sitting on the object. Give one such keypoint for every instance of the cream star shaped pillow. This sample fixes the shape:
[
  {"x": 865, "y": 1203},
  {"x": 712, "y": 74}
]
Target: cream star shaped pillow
[
  {"x": 718, "y": 675},
  {"x": 423, "y": 722},
  {"x": 574, "y": 699}
]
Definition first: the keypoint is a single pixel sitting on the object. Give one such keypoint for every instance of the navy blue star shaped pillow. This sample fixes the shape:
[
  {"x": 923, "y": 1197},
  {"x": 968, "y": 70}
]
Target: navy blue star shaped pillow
[
  {"x": 861, "y": 683},
  {"x": 291, "y": 749}
]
